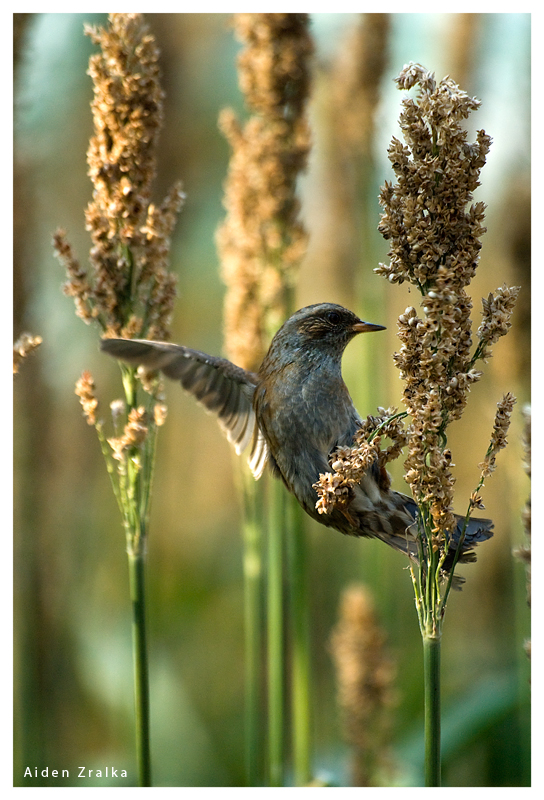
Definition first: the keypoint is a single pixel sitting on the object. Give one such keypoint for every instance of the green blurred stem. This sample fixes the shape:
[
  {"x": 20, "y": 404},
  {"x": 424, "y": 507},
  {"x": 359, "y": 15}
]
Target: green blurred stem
[
  {"x": 135, "y": 491},
  {"x": 300, "y": 642},
  {"x": 252, "y": 541},
  {"x": 431, "y": 677},
  {"x": 275, "y": 632},
  {"x": 136, "y": 566}
]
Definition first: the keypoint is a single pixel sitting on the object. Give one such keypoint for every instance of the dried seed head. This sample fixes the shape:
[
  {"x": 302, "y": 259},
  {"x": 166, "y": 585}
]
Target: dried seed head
[
  {"x": 498, "y": 435},
  {"x": 117, "y": 410},
  {"x": 262, "y": 239},
  {"x": 496, "y": 316},
  {"x": 85, "y": 390},
  {"x": 134, "y": 434},
  {"x": 335, "y": 490},
  {"x": 129, "y": 290},
  {"x": 24, "y": 345},
  {"x": 434, "y": 230},
  {"x": 159, "y": 413}
]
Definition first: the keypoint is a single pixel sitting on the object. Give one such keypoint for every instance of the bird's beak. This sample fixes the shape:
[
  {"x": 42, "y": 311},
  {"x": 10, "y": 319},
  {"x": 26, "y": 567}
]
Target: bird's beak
[{"x": 365, "y": 327}]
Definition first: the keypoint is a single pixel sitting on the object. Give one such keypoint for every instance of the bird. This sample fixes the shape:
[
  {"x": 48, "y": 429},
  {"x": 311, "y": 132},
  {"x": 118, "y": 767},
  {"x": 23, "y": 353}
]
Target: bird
[{"x": 293, "y": 413}]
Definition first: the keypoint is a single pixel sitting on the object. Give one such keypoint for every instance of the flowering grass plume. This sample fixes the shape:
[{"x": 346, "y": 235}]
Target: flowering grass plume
[
  {"x": 262, "y": 239},
  {"x": 128, "y": 291},
  {"x": 260, "y": 244},
  {"x": 434, "y": 231}
]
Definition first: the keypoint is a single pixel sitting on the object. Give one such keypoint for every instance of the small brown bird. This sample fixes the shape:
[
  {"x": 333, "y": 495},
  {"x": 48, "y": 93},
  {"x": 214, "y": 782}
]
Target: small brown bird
[{"x": 294, "y": 413}]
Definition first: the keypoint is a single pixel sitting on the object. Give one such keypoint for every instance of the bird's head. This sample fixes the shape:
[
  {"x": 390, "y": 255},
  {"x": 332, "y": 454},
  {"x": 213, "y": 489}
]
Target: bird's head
[{"x": 323, "y": 329}]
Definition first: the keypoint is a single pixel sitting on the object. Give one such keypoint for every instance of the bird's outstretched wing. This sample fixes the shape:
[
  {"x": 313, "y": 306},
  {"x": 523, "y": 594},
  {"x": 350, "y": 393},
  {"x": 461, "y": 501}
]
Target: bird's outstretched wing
[{"x": 221, "y": 387}]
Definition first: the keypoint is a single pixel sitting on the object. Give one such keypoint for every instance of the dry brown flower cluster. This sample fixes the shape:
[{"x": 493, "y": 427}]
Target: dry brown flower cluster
[
  {"x": 365, "y": 675},
  {"x": 160, "y": 411},
  {"x": 130, "y": 291},
  {"x": 496, "y": 321},
  {"x": 498, "y": 435},
  {"x": 24, "y": 345},
  {"x": 349, "y": 464},
  {"x": 262, "y": 239},
  {"x": 85, "y": 390},
  {"x": 134, "y": 431},
  {"x": 134, "y": 434},
  {"x": 435, "y": 244}
]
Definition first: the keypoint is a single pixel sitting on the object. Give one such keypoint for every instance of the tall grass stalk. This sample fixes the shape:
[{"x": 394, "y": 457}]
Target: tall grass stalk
[
  {"x": 260, "y": 245},
  {"x": 435, "y": 243},
  {"x": 136, "y": 567},
  {"x": 431, "y": 683},
  {"x": 129, "y": 293}
]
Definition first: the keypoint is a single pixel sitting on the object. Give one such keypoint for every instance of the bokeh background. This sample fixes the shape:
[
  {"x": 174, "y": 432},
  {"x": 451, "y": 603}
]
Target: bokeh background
[{"x": 73, "y": 687}]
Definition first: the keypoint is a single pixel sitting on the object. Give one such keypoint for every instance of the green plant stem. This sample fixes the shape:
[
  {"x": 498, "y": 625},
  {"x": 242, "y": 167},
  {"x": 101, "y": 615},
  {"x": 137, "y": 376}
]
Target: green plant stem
[
  {"x": 431, "y": 678},
  {"x": 252, "y": 541},
  {"x": 275, "y": 632},
  {"x": 300, "y": 643},
  {"x": 128, "y": 376},
  {"x": 136, "y": 565},
  {"x": 133, "y": 497}
]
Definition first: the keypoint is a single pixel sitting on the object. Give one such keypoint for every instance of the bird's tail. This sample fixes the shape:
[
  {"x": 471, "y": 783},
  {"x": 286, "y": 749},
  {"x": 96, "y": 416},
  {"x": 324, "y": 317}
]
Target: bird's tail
[{"x": 475, "y": 531}]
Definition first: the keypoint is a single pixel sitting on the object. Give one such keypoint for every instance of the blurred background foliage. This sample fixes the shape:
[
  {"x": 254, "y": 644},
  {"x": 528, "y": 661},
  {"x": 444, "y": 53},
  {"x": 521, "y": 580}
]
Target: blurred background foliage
[{"x": 73, "y": 688}]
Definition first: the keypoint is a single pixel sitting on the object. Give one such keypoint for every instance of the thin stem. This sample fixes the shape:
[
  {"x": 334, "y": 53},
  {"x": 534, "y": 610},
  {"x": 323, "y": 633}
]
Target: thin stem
[
  {"x": 251, "y": 493},
  {"x": 416, "y": 582},
  {"x": 128, "y": 376},
  {"x": 381, "y": 426},
  {"x": 275, "y": 632},
  {"x": 135, "y": 492},
  {"x": 300, "y": 636},
  {"x": 430, "y": 620},
  {"x": 146, "y": 478},
  {"x": 136, "y": 566},
  {"x": 106, "y": 452},
  {"x": 431, "y": 677}
]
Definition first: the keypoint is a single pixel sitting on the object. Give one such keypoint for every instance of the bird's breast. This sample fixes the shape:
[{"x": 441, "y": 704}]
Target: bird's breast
[
  {"x": 302, "y": 420},
  {"x": 317, "y": 410}
]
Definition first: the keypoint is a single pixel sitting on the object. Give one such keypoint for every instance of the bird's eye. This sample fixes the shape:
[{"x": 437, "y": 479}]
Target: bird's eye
[{"x": 334, "y": 317}]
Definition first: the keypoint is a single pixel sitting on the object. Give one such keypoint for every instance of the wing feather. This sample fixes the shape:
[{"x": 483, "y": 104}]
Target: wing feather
[{"x": 219, "y": 385}]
